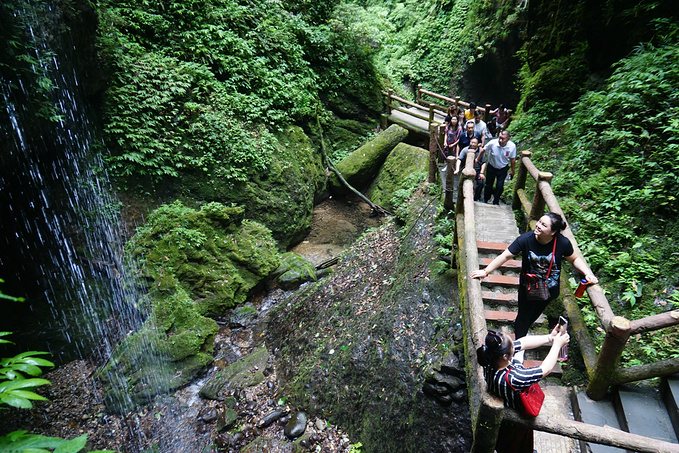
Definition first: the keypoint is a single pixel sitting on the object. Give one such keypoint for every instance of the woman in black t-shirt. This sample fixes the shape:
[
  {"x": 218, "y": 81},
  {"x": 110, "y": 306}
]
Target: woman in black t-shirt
[{"x": 536, "y": 249}]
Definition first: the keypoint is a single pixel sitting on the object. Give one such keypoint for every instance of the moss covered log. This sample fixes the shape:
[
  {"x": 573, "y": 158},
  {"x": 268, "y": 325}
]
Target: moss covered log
[{"x": 360, "y": 167}]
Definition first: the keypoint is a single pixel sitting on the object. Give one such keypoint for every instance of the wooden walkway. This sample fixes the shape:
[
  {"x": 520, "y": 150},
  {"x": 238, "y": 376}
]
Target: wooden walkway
[{"x": 570, "y": 421}]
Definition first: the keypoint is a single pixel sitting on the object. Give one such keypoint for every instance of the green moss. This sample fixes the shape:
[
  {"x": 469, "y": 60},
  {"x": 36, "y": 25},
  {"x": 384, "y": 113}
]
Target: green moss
[
  {"x": 403, "y": 161},
  {"x": 361, "y": 166},
  {"x": 244, "y": 373},
  {"x": 294, "y": 270},
  {"x": 172, "y": 346},
  {"x": 281, "y": 197},
  {"x": 211, "y": 253}
]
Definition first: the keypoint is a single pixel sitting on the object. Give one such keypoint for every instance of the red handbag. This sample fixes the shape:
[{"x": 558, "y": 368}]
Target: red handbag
[{"x": 531, "y": 398}]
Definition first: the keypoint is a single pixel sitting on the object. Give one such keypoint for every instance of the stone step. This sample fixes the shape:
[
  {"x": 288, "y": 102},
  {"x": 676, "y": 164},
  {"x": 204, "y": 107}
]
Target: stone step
[
  {"x": 500, "y": 316},
  {"x": 599, "y": 413},
  {"x": 491, "y": 247},
  {"x": 669, "y": 389},
  {"x": 557, "y": 405},
  {"x": 644, "y": 413},
  {"x": 508, "y": 265},
  {"x": 500, "y": 280},
  {"x": 497, "y": 297}
]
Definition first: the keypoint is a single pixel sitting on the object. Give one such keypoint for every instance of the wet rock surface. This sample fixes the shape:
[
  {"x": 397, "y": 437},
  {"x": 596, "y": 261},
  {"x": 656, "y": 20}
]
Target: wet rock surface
[{"x": 244, "y": 394}]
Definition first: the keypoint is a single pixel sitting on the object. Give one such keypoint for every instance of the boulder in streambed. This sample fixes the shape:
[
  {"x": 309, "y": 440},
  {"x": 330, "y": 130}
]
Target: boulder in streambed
[
  {"x": 360, "y": 167},
  {"x": 404, "y": 162},
  {"x": 245, "y": 373},
  {"x": 296, "y": 426},
  {"x": 294, "y": 270}
]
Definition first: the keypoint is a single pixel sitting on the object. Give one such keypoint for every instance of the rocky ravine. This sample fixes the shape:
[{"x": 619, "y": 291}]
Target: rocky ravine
[{"x": 369, "y": 354}]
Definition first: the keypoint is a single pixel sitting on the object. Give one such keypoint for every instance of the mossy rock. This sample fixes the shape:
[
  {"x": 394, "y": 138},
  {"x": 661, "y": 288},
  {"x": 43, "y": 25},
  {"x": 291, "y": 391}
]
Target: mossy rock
[
  {"x": 226, "y": 419},
  {"x": 169, "y": 350},
  {"x": 211, "y": 253},
  {"x": 374, "y": 331},
  {"x": 244, "y": 373},
  {"x": 281, "y": 197},
  {"x": 295, "y": 270},
  {"x": 243, "y": 315},
  {"x": 362, "y": 165},
  {"x": 268, "y": 445},
  {"x": 404, "y": 160}
]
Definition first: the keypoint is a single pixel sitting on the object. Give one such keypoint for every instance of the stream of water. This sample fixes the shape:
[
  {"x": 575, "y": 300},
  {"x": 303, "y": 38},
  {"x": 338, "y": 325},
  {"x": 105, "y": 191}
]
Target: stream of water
[{"x": 61, "y": 242}]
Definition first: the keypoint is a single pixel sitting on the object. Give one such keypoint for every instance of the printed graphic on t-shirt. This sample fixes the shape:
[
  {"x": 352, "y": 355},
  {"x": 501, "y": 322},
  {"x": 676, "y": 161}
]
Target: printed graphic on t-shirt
[{"x": 539, "y": 264}]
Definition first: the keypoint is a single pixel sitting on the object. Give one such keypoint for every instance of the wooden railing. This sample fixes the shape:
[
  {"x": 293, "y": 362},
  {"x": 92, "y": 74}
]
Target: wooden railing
[
  {"x": 487, "y": 410},
  {"x": 603, "y": 368},
  {"x": 425, "y": 110},
  {"x": 450, "y": 102}
]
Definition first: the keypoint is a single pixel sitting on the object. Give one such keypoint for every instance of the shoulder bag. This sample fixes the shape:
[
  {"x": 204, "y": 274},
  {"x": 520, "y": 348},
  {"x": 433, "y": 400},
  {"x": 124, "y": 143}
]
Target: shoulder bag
[
  {"x": 536, "y": 285},
  {"x": 531, "y": 398}
]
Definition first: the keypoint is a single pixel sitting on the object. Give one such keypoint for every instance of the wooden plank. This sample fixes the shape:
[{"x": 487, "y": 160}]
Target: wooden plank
[
  {"x": 508, "y": 265},
  {"x": 500, "y": 316}
]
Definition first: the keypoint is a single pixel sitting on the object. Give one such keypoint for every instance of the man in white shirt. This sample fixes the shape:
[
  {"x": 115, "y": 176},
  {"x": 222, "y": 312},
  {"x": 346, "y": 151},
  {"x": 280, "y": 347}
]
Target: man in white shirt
[
  {"x": 481, "y": 128},
  {"x": 500, "y": 153}
]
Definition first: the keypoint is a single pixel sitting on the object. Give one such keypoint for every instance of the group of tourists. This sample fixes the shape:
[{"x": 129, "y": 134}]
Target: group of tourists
[
  {"x": 542, "y": 253},
  {"x": 495, "y": 157}
]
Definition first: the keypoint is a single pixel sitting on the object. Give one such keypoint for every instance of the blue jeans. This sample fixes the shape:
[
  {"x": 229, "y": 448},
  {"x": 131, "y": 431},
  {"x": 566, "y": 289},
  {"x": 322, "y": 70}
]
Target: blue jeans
[{"x": 493, "y": 174}]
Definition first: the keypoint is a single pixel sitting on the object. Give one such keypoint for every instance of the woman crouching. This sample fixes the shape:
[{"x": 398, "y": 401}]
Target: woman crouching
[{"x": 507, "y": 377}]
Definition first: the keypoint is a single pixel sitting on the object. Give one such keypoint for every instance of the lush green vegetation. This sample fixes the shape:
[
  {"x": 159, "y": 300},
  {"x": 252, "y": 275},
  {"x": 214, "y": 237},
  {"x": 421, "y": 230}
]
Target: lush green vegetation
[
  {"x": 615, "y": 158},
  {"x": 201, "y": 86}
]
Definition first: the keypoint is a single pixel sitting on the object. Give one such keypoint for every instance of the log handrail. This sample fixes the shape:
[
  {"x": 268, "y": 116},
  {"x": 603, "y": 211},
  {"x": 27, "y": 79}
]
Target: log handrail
[
  {"x": 603, "y": 369},
  {"x": 487, "y": 411}
]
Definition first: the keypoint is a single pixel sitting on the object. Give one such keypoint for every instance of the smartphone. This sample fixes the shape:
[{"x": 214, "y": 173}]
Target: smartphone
[{"x": 563, "y": 324}]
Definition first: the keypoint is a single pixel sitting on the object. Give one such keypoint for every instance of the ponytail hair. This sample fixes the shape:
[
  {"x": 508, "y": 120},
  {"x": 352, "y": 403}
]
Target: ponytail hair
[
  {"x": 496, "y": 345},
  {"x": 558, "y": 223}
]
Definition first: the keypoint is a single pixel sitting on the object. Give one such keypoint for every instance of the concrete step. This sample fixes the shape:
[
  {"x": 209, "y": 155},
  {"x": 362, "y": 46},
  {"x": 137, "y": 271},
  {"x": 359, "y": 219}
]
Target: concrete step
[
  {"x": 514, "y": 265},
  {"x": 599, "y": 413},
  {"x": 669, "y": 389},
  {"x": 497, "y": 297},
  {"x": 557, "y": 405},
  {"x": 500, "y": 280},
  {"x": 643, "y": 412},
  {"x": 491, "y": 247}
]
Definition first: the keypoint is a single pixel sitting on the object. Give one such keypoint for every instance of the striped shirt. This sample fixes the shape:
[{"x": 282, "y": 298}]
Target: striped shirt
[{"x": 519, "y": 376}]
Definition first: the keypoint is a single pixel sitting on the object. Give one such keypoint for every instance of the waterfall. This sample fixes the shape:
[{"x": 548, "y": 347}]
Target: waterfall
[{"x": 61, "y": 240}]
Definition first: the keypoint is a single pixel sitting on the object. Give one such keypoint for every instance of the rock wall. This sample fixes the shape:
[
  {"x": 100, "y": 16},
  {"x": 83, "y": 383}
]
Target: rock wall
[{"x": 373, "y": 347}]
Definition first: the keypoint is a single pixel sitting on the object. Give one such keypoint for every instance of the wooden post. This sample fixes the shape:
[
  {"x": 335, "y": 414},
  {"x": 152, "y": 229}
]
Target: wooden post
[
  {"x": 520, "y": 181},
  {"x": 486, "y": 429},
  {"x": 433, "y": 152},
  {"x": 616, "y": 338},
  {"x": 419, "y": 94},
  {"x": 457, "y": 101},
  {"x": 450, "y": 183},
  {"x": 538, "y": 207},
  {"x": 431, "y": 112},
  {"x": 391, "y": 93},
  {"x": 486, "y": 114}
]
